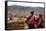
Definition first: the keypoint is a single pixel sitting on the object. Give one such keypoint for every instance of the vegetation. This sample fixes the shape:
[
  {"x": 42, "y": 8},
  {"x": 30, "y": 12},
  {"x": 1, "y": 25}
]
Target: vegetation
[{"x": 15, "y": 25}]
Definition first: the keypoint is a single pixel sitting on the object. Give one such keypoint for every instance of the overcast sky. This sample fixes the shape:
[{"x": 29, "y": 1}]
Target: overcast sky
[{"x": 26, "y": 4}]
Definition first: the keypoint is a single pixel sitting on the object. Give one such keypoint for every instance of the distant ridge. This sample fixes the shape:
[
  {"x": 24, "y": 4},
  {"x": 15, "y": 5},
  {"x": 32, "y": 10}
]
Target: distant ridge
[{"x": 15, "y": 7}]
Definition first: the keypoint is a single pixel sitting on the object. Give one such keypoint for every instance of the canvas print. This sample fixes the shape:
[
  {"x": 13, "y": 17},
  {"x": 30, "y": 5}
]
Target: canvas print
[{"x": 24, "y": 15}]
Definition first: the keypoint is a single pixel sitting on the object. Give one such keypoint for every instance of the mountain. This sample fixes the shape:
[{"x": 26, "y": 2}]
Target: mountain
[{"x": 22, "y": 9}]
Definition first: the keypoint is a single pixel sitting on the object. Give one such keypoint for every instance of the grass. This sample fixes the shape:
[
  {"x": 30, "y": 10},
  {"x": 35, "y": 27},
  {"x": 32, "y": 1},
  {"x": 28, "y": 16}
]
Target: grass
[{"x": 15, "y": 25}]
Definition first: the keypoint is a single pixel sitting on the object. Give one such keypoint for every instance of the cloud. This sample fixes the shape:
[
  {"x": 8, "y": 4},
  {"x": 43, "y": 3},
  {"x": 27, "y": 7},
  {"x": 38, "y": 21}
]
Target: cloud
[{"x": 26, "y": 4}]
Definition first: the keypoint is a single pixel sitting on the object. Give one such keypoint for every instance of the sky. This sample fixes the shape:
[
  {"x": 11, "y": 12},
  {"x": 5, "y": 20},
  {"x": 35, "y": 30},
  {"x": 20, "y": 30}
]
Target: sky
[
  {"x": 29, "y": 0},
  {"x": 26, "y": 4}
]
